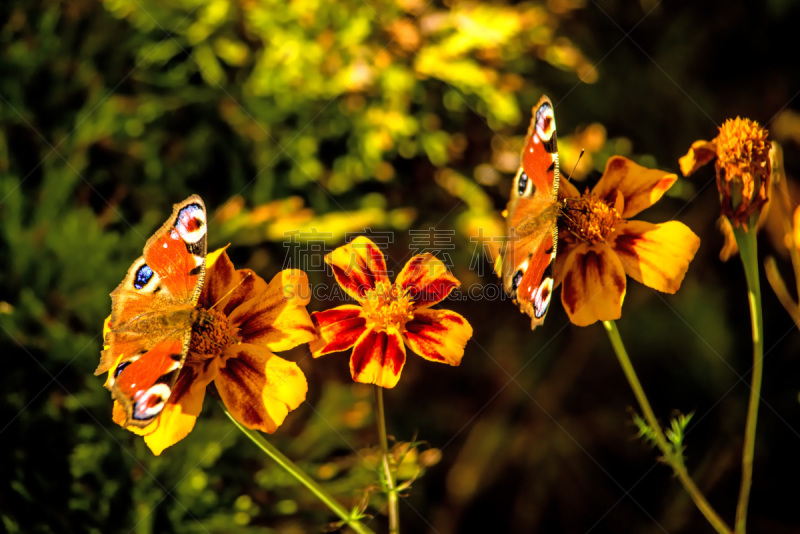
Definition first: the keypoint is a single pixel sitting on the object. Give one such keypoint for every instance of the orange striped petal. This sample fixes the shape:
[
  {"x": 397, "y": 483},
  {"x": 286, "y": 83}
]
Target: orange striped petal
[
  {"x": 564, "y": 250},
  {"x": 700, "y": 153},
  {"x": 438, "y": 335},
  {"x": 358, "y": 266},
  {"x": 657, "y": 255},
  {"x": 277, "y": 318},
  {"x": 594, "y": 284},
  {"x": 427, "y": 280},
  {"x": 181, "y": 411},
  {"x": 641, "y": 187},
  {"x": 378, "y": 358},
  {"x": 259, "y": 388},
  {"x": 337, "y": 329},
  {"x": 226, "y": 288}
]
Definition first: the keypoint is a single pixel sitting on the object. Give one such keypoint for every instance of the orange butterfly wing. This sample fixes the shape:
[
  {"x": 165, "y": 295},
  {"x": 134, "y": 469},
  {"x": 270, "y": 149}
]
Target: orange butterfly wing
[
  {"x": 152, "y": 312},
  {"x": 527, "y": 257}
]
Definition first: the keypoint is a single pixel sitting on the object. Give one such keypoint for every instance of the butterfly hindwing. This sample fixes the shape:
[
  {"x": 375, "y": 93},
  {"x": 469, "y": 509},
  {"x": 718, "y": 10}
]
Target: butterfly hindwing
[
  {"x": 152, "y": 312},
  {"x": 528, "y": 256}
]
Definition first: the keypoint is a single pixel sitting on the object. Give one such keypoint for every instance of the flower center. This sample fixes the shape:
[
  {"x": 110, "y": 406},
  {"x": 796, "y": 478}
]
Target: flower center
[
  {"x": 387, "y": 307},
  {"x": 743, "y": 169},
  {"x": 212, "y": 332},
  {"x": 590, "y": 218}
]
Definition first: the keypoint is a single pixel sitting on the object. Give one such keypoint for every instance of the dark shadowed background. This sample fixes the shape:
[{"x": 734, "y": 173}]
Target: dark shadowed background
[{"x": 305, "y": 123}]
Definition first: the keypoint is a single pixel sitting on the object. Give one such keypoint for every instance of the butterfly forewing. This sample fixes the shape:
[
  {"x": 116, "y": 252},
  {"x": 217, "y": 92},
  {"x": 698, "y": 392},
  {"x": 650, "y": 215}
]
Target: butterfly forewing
[
  {"x": 529, "y": 252},
  {"x": 153, "y": 310}
]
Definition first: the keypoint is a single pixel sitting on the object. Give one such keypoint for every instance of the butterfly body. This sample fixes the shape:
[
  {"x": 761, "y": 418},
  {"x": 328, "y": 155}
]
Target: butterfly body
[
  {"x": 526, "y": 259},
  {"x": 152, "y": 314}
]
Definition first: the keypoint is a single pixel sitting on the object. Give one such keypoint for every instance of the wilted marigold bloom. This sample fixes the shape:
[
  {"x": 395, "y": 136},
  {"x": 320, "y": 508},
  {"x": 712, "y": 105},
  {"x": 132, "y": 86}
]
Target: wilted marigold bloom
[
  {"x": 743, "y": 168},
  {"x": 250, "y": 320},
  {"x": 389, "y": 316},
  {"x": 598, "y": 245}
]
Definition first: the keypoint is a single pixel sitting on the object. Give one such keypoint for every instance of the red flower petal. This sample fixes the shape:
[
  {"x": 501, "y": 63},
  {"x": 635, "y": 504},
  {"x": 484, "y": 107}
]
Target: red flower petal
[
  {"x": 427, "y": 280},
  {"x": 338, "y": 329},
  {"x": 438, "y": 335},
  {"x": 358, "y": 266},
  {"x": 378, "y": 358}
]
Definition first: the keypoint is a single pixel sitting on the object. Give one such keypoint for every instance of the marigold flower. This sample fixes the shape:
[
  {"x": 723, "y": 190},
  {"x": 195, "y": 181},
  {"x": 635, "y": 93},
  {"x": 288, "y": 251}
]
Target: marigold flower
[
  {"x": 389, "y": 316},
  {"x": 598, "y": 246},
  {"x": 743, "y": 168},
  {"x": 234, "y": 350}
]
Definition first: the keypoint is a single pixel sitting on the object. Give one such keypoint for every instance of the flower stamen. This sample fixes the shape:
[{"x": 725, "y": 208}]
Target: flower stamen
[
  {"x": 590, "y": 218},
  {"x": 212, "y": 331},
  {"x": 387, "y": 307}
]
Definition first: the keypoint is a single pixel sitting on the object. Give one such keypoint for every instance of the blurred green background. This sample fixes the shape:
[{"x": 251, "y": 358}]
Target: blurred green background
[{"x": 399, "y": 117}]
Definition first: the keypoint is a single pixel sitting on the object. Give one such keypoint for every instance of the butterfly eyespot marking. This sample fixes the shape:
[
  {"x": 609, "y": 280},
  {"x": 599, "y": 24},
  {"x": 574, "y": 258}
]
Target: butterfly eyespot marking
[
  {"x": 546, "y": 128},
  {"x": 522, "y": 185},
  {"x": 143, "y": 276},
  {"x": 148, "y": 404},
  {"x": 191, "y": 224},
  {"x": 541, "y": 300},
  {"x": 121, "y": 367},
  {"x": 516, "y": 280}
]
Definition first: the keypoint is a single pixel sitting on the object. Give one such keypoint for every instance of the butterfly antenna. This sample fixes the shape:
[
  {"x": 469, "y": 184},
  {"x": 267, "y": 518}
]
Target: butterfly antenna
[{"x": 569, "y": 178}]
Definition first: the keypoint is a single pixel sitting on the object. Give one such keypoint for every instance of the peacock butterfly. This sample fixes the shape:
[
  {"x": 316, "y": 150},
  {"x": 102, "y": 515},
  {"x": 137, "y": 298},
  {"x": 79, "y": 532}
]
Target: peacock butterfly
[
  {"x": 152, "y": 313},
  {"x": 526, "y": 259}
]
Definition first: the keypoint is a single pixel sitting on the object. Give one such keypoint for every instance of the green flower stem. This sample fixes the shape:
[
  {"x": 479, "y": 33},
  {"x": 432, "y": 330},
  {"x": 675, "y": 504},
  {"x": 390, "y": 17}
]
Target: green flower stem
[
  {"x": 391, "y": 487},
  {"x": 673, "y": 460},
  {"x": 748, "y": 250},
  {"x": 290, "y": 467}
]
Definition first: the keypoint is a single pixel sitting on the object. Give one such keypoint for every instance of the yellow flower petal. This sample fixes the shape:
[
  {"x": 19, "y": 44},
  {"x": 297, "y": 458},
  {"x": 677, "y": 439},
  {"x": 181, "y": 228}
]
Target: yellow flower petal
[
  {"x": 729, "y": 246},
  {"x": 358, "y": 266},
  {"x": 641, "y": 187},
  {"x": 657, "y": 255},
  {"x": 181, "y": 411},
  {"x": 174, "y": 424},
  {"x": 700, "y": 153},
  {"x": 378, "y": 358},
  {"x": 593, "y": 284},
  {"x": 277, "y": 318},
  {"x": 797, "y": 227},
  {"x": 259, "y": 388},
  {"x": 438, "y": 335}
]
